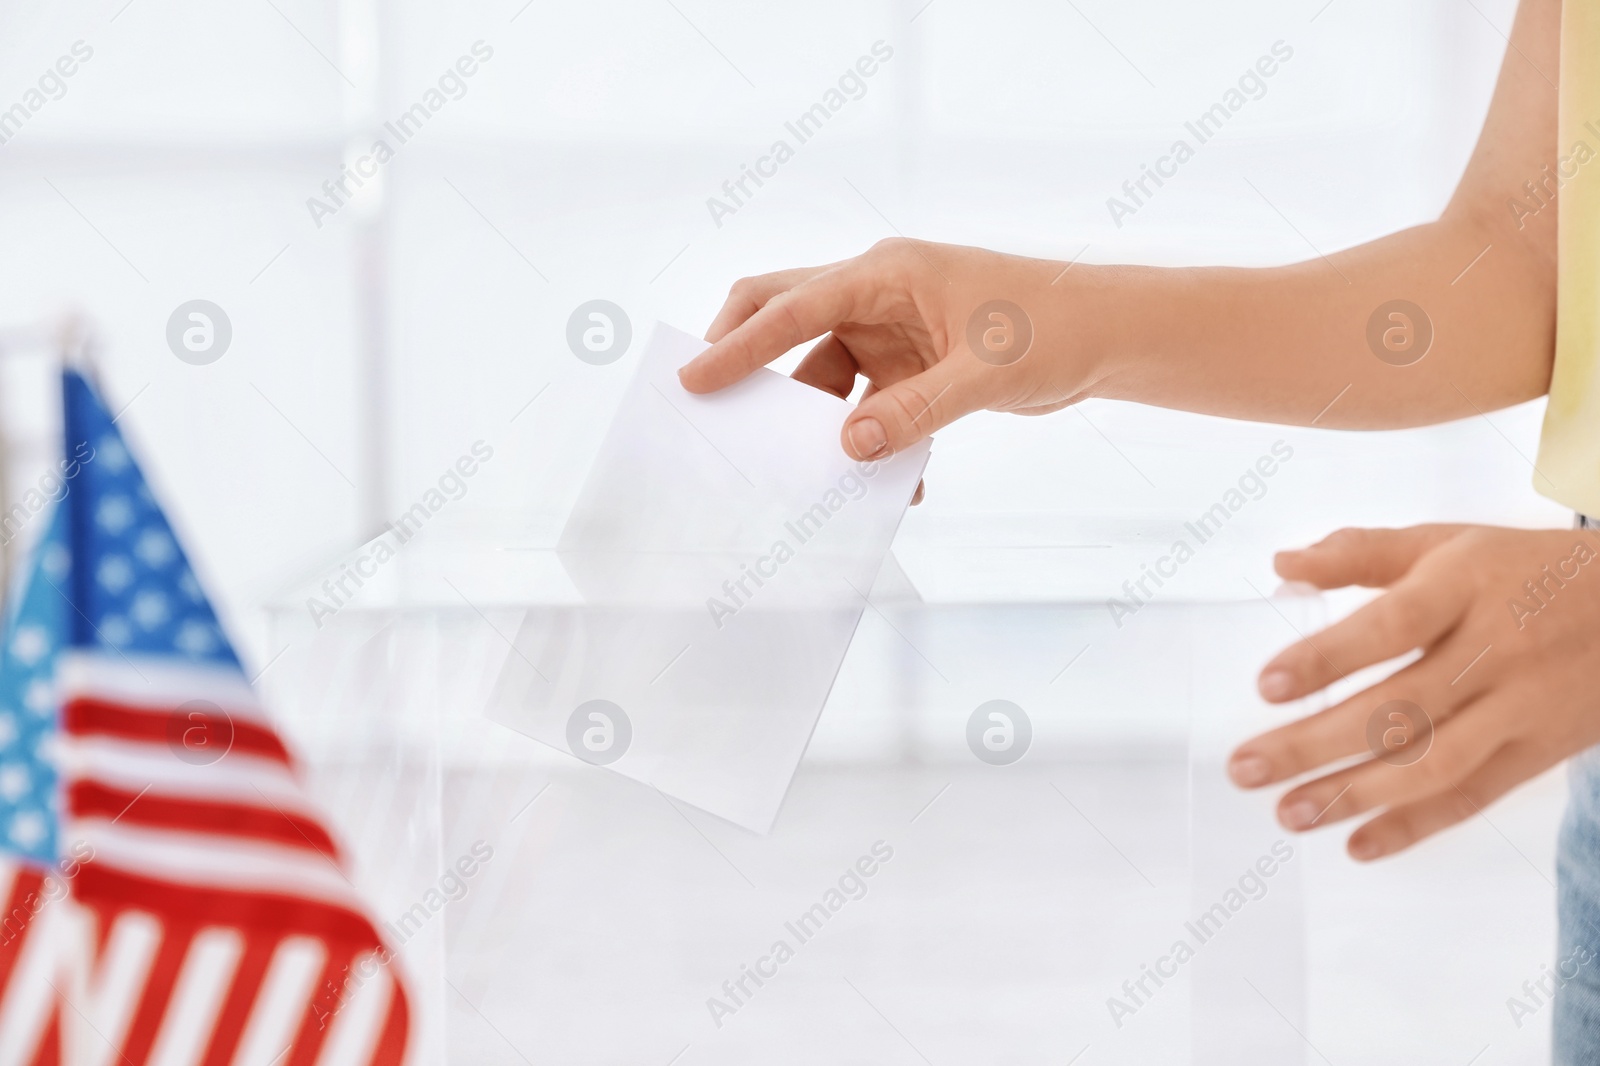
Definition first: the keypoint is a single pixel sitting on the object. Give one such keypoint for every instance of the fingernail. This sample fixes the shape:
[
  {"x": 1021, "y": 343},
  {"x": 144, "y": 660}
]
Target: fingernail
[
  {"x": 1300, "y": 814},
  {"x": 1364, "y": 850},
  {"x": 1248, "y": 771},
  {"x": 867, "y": 438},
  {"x": 1287, "y": 557},
  {"x": 1276, "y": 684}
]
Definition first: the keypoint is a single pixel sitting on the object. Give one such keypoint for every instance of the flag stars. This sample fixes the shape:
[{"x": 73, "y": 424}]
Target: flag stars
[
  {"x": 195, "y": 638},
  {"x": 39, "y": 697},
  {"x": 15, "y": 782},
  {"x": 150, "y": 610},
  {"x": 28, "y": 829},
  {"x": 8, "y": 729},
  {"x": 29, "y": 644},
  {"x": 154, "y": 548},
  {"x": 112, "y": 454},
  {"x": 115, "y": 630},
  {"x": 47, "y": 752},
  {"x": 115, "y": 573},
  {"x": 114, "y": 514},
  {"x": 190, "y": 587}
]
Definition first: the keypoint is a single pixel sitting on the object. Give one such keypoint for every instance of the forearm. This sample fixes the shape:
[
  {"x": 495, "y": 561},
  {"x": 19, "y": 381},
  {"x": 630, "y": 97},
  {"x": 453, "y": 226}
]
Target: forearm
[
  {"x": 941, "y": 331},
  {"x": 1292, "y": 344}
]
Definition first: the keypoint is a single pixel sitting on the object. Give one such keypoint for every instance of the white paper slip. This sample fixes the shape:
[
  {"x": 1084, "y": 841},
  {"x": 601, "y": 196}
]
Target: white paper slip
[{"x": 724, "y": 547}]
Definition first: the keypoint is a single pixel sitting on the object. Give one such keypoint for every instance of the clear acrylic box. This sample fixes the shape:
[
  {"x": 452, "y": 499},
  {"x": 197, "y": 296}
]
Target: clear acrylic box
[{"x": 1011, "y": 906}]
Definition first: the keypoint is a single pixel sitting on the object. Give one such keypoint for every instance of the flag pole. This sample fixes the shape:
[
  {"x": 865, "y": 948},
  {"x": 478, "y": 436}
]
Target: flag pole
[
  {"x": 78, "y": 347},
  {"x": 69, "y": 340}
]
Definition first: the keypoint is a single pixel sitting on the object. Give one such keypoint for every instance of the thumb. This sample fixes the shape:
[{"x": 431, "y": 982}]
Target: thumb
[
  {"x": 1372, "y": 558},
  {"x": 891, "y": 419}
]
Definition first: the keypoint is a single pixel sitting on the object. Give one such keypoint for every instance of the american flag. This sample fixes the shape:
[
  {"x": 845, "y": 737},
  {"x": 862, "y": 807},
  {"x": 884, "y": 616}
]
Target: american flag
[{"x": 170, "y": 894}]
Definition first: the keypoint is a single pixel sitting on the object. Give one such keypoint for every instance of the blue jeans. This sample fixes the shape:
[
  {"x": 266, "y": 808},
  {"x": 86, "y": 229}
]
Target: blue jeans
[
  {"x": 1577, "y": 972},
  {"x": 1576, "y": 975}
]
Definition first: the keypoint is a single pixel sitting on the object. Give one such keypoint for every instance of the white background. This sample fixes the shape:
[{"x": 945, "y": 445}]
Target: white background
[{"x": 373, "y": 351}]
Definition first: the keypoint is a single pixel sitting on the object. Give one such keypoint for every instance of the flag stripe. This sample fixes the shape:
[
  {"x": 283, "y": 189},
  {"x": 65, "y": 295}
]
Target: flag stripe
[
  {"x": 91, "y": 716},
  {"x": 391, "y": 1047},
  {"x": 231, "y": 863},
  {"x": 17, "y": 921},
  {"x": 158, "y": 984},
  {"x": 48, "y": 1053},
  {"x": 237, "y": 779},
  {"x": 28, "y": 958},
  {"x": 327, "y": 996},
  {"x": 158, "y": 682},
  {"x": 242, "y": 992},
  {"x": 90, "y": 799},
  {"x": 258, "y": 910}
]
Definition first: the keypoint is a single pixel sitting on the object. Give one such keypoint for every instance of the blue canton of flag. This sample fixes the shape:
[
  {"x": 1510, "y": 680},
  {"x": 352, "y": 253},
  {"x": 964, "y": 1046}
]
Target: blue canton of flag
[
  {"x": 133, "y": 593},
  {"x": 110, "y": 775},
  {"x": 30, "y": 802}
]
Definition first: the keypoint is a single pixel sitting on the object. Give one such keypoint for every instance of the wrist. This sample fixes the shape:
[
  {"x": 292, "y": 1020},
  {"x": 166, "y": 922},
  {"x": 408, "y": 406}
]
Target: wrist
[{"x": 1105, "y": 322}]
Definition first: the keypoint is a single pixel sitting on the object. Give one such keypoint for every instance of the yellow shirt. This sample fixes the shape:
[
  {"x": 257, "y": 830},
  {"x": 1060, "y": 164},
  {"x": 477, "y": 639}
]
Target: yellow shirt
[{"x": 1569, "y": 449}]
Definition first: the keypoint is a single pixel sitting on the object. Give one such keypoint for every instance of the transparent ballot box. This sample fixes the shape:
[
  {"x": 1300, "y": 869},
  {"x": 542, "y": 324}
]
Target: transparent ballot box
[{"x": 1009, "y": 838}]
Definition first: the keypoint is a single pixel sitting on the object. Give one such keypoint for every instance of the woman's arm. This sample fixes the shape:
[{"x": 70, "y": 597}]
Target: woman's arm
[
  {"x": 1277, "y": 344},
  {"x": 1281, "y": 343}
]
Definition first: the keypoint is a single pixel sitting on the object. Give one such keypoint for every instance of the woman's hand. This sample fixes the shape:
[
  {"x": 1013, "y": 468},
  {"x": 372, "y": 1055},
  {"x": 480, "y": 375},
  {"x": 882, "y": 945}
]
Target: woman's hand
[
  {"x": 1508, "y": 683},
  {"x": 905, "y": 316}
]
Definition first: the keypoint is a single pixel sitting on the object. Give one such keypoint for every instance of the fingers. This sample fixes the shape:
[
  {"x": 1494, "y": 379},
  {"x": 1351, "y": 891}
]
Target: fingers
[
  {"x": 1374, "y": 558},
  {"x": 829, "y": 366},
  {"x": 1402, "y": 826},
  {"x": 1416, "y": 612},
  {"x": 1459, "y": 747},
  {"x": 896, "y": 416},
  {"x": 790, "y": 317},
  {"x": 750, "y": 295},
  {"x": 922, "y": 486},
  {"x": 1339, "y": 731}
]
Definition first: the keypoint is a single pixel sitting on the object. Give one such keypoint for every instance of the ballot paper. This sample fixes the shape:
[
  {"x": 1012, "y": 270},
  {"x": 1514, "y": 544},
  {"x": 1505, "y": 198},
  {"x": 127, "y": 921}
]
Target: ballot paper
[{"x": 724, "y": 548}]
